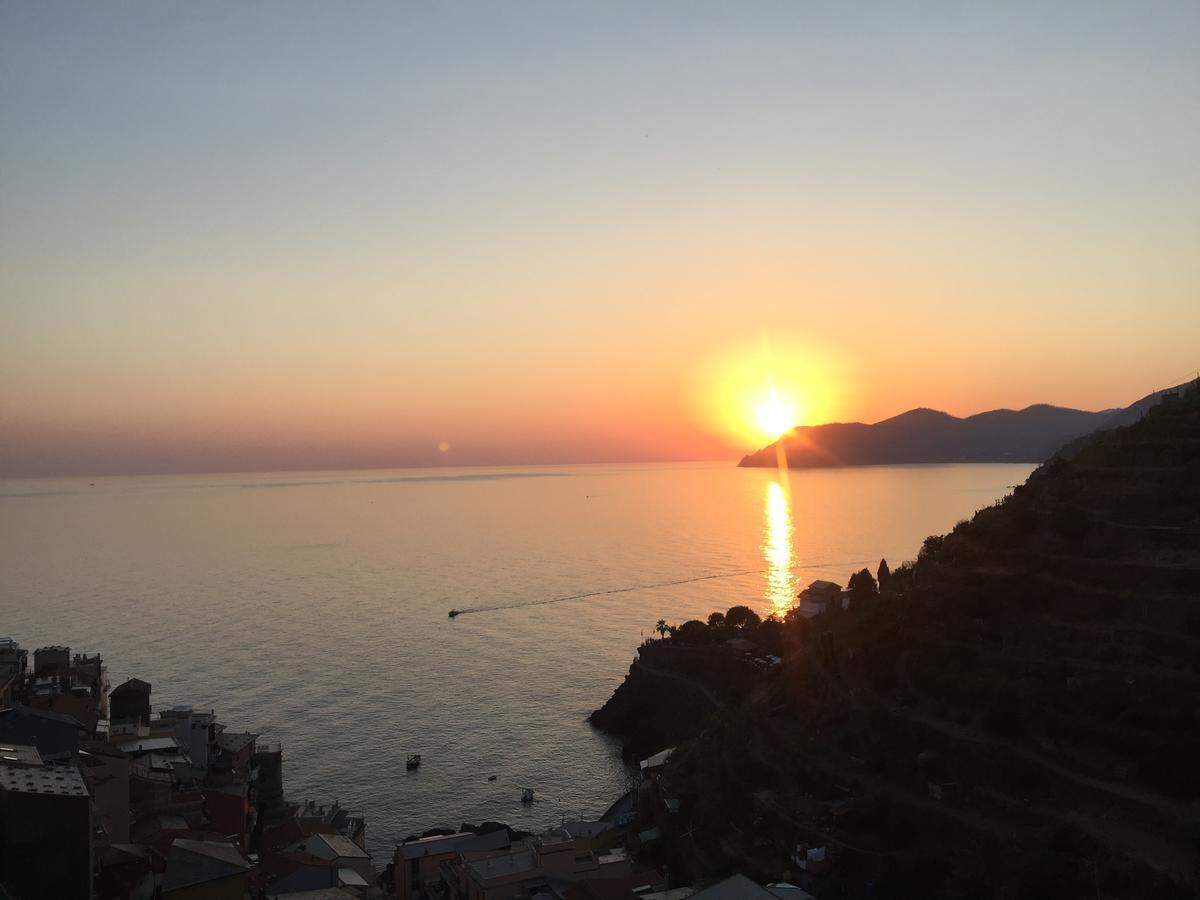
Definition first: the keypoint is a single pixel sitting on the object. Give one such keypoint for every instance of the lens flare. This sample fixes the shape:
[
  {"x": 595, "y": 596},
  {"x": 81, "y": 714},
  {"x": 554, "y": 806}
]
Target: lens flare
[{"x": 775, "y": 415}]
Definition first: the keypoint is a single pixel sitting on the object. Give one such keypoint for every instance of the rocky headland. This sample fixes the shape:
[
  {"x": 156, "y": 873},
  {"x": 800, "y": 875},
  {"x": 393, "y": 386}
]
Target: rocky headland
[{"x": 1014, "y": 713}]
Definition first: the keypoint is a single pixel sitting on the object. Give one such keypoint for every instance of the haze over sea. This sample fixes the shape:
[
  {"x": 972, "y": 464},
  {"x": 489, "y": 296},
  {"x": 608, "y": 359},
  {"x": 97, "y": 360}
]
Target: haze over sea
[{"x": 311, "y": 607}]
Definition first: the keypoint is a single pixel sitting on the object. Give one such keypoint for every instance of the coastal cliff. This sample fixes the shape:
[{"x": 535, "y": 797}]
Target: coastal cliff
[
  {"x": 1011, "y": 714},
  {"x": 669, "y": 694}
]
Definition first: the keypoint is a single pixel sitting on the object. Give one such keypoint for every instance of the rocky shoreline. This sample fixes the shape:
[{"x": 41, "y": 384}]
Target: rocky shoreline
[{"x": 670, "y": 693}]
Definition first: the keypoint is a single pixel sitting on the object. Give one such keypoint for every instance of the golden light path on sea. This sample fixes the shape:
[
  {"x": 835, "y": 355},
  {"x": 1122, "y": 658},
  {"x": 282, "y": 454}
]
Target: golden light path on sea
[{"x": 777, "y": 548}]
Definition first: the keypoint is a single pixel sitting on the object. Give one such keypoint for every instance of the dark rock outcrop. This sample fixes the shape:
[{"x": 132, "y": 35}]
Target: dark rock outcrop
[{"x": 669, "y": 694}]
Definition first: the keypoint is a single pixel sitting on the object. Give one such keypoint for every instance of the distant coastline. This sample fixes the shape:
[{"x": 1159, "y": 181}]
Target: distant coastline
[{"x": 1029, "y": 435}]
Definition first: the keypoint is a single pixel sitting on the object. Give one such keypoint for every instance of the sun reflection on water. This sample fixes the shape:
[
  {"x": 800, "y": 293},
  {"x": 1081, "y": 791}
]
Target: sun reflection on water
[{"x": 777, "y": 549}]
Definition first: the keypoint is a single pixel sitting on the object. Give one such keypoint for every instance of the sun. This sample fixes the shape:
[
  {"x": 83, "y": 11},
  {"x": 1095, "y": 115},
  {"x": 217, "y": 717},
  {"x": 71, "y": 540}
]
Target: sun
[
  {"x": 774, "y": 415},
  {"x": 752, "y": 393}
]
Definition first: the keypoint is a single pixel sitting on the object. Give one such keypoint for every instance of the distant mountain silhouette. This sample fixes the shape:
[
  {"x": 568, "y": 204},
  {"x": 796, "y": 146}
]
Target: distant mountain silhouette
[{"x": 929, "y": 436}]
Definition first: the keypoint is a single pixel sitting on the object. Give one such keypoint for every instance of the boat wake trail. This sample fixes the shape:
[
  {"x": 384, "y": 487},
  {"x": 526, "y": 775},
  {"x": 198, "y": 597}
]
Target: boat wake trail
[{"x": 645, "y": 587}]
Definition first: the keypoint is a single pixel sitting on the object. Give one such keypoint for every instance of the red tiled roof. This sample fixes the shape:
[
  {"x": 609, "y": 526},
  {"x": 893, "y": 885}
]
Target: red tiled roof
[
  {"x": 274, "y": 865},
  {"x": 83, "y": 709},
  {"x": 161, "y": 841},
  {"x": 291, "y": 830}
]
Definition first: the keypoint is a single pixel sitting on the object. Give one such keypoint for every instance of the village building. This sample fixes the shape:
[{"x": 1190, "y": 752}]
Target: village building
[
  {"x": 56, "y": 735},
  {"x": 653, "y": 765},
  {"x": 234, "y": 750},
  {"x": 51, "y": 661},
  {"x": 548, "y": 864},
  {"x": 339, "y": 852},
  {"x": 130, "y": 701},
  {"x": 166, "y": 804},
  {"x": 418, "y": 862},
  {"x": 107, "y": 771},
  {"x": 205, "y": 870},
  {"x": 195, "y": 732},
  {"x": 502, "y": 877},
  {"x": 819, "y": 598},
  {"x": 13, "y": 660},
  {"x": 45, "y": 827},
  {"x": 125, "y": 871}
]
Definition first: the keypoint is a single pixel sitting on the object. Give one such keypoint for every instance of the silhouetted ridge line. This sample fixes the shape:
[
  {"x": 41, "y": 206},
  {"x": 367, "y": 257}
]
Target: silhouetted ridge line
[{"x": 924, "y": 435}]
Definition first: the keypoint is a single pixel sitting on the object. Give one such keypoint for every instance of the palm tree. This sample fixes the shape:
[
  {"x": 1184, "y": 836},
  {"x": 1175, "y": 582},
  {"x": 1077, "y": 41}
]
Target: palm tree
[{"x": 662, "y": 627}]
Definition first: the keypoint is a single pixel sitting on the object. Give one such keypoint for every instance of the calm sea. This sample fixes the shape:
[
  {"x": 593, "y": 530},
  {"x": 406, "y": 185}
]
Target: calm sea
[{"x": 311, "y": 607}]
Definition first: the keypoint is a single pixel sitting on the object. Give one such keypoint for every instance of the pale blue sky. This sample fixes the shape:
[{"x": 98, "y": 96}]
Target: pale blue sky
[{"x": 236, "y": 216}]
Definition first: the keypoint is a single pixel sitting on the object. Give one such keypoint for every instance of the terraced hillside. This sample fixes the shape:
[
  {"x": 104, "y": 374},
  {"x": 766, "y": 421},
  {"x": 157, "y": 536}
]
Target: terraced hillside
[{"x": 1016, "y": 713}]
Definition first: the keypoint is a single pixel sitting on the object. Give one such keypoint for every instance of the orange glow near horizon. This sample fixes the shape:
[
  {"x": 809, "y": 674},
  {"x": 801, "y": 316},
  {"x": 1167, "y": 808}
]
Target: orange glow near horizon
[{"x": 751, "y": 396}]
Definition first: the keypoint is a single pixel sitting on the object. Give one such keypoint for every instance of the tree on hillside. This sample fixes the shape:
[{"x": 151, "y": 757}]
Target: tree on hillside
[
  {"x": 692, "y": 630},
  {"x": 742, "y": 617},
  {"x": 770, "y": 635},
  {"x": 931, "y": 546},
  {"x": 716, "y": 620},
  {"x": 862, "y": 585},
  {"x": 662, "y": 627},
  {"x": 883, "y": 574}
]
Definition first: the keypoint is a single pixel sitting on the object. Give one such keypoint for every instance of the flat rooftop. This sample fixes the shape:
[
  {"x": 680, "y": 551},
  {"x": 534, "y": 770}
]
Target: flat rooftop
[
  {"x": 519, "y": 860},
  {"x": 464, "y": 841},
  {"x": 330, "y": 846},
  {"x": 49, "y": 780},
  {"x": 148, "y": 745},
  {"x": 433, "y": 845},
  {"x": 19, "y": 755}
]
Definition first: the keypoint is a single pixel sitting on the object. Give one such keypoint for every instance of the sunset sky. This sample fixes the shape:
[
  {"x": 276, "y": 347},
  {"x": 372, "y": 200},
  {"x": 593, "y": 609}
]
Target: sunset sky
[{"x": 291, "y": 235}]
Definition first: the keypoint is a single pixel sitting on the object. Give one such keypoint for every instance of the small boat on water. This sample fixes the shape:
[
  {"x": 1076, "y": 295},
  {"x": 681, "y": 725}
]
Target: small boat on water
[
  {"x": 414, "y": 760},
  {"x": 491, "y": 778},
  {"x": 453, "y": 613},
  {"x": 527, "y": 795}
]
